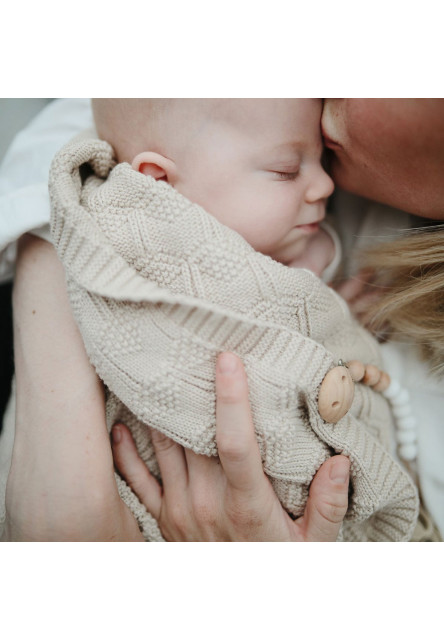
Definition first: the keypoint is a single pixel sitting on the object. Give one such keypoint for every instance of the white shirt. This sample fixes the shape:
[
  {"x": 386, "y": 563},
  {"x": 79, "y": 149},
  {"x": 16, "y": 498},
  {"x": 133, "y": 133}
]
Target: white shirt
[{"x": 24, "y": 200}]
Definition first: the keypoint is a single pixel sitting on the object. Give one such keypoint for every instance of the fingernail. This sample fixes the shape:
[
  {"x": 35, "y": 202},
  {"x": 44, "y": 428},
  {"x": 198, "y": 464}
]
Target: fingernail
[
  {"x": 227, "y": 363},
  {"x": 339, "y": 471},
  {"x": 116, "y": 434}
]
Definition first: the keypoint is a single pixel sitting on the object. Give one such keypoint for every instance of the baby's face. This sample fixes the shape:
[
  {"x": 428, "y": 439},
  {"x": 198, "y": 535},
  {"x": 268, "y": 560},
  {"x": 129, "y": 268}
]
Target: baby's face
[{"x": 258, "y": 170}]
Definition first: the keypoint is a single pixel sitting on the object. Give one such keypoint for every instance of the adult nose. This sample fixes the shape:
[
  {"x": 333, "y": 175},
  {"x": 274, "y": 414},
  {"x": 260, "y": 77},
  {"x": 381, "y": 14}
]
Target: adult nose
[{"x": 320, "y": 187}]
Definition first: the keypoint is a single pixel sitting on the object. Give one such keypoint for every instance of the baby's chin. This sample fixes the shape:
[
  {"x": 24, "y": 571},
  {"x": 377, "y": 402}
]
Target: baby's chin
[
  {"x": 318, "y": 253},
  {"x": 294, "y": 249}
]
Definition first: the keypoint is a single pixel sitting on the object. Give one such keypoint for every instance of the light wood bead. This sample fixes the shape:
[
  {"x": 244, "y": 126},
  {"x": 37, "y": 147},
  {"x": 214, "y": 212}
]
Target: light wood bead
[
  {"x": 336, "y": 394},
  {"x": 384, "y": 382},
  {"x": 372, "y": 375},
  {"x": 357, "y": 370}
]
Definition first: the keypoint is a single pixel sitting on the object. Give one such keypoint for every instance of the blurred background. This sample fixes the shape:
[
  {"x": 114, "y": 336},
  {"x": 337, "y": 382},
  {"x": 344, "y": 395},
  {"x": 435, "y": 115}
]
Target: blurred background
[{"x": 15, "y": 114}]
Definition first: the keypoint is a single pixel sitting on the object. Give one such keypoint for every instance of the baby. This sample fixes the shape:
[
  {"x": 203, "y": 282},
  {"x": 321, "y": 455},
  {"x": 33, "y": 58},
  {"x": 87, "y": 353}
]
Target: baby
[
  {"x": 181, "y": 252},
  {"x": 254, "y": 164}
]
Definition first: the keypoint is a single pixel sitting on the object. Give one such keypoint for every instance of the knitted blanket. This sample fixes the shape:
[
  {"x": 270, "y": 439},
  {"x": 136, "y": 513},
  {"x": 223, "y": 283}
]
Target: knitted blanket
[{"x": 159, "y": 288}]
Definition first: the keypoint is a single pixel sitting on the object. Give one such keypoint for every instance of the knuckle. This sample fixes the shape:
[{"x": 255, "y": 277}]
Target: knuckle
[
  {"x": 179, "y": 520},
  {"x": 333, "y": 512},
  {"x": 176, "y": 515},
  {"x": 229, "y": 395},
  {"x": 137, "y": 482},
  {"x": 170, "y": 530},
  {"x": 136, "y": 478},
  {"x": 161, "y": 442},
  {"x": 232, "y": 447}
]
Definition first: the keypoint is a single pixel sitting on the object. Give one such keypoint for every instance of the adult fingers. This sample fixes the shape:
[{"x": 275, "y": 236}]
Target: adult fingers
[
  {"x": 172, "y": 463},
  {"x": 134, "y": 471},
  {"x": 328, "y": 500},
  {"x": 201, "y": 469},
  {"x": 238, "y": 449}
]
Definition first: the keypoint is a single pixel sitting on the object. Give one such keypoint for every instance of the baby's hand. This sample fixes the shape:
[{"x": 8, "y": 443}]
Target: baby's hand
[{"x": 360, "y": 293}]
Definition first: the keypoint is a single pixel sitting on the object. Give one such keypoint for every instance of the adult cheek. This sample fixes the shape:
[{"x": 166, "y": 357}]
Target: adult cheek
[
  {"x": 373, "y": 153},
  {"x": 351, "y": 155}
]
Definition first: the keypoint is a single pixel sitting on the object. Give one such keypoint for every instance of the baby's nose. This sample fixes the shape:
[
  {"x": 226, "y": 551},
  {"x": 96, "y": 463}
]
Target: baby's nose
[{"x": 321, "y": 187}]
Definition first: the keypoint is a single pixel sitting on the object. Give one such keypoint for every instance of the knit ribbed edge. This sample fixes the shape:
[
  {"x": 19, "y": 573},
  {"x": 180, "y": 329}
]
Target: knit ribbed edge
[
  {"x": 86, "y": 254},
  {"x": 395, "y": 502}
]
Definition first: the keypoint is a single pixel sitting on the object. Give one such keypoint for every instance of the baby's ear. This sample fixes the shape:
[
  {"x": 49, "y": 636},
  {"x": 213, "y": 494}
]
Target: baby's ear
[{"x": 155, "y": 165}]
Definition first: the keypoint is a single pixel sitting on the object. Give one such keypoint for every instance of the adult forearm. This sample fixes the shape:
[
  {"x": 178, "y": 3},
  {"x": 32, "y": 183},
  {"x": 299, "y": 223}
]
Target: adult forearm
[{"x": 61, "y": 485}]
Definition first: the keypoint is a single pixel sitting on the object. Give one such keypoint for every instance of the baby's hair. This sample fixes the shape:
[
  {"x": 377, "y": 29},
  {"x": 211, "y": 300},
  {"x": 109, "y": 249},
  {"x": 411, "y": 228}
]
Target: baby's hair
[
  {"x": 133, "y": 125},
  {"x": 130, "y": 124},
  {"x": 411, "y": 272}
]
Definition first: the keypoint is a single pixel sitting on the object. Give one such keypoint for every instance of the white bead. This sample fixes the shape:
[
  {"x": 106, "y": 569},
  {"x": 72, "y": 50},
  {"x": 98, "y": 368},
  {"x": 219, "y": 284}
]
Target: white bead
[
  {"x": 406, "y": 437},
  {"x": 407, "y": 423},
  {"x": 393, "y": 390},
  {"x": 403, "y": 397},
  {"x": 408, "y": 451},
  {"x": 402, "y": 411}
]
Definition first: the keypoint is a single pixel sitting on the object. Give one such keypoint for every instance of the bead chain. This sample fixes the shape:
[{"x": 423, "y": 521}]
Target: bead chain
[{"x": 399, "y": 400}]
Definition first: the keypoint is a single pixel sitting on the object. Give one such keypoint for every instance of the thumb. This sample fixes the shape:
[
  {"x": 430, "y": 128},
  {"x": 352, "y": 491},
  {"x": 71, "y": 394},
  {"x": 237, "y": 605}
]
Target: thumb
[{"x": 327, "y": 502}]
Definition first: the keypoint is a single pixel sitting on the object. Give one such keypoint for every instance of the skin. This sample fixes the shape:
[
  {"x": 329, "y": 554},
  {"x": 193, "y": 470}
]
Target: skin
[
  {"x": 67, "y": 491},
  {"x": 389, "y": 150},
  {"x": 255, "y": 165}
]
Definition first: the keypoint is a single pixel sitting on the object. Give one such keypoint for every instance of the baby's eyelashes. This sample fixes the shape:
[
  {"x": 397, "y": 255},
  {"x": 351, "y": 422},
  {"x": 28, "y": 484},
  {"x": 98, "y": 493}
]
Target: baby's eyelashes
[{"x": 286, "y": 175}]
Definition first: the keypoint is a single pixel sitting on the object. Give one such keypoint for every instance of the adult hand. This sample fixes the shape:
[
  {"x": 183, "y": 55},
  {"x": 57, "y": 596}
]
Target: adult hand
[
  {"x": 231, "y": 498},
  {"x": 61, "y": 485}
]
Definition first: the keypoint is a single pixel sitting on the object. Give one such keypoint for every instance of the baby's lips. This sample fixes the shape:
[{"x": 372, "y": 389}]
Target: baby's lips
[{"x": 311, "y": 227}]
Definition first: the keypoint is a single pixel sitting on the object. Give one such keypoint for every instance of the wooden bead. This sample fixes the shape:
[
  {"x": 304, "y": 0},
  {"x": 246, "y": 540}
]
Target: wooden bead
[
  {"x": 372, "y": 375},
  {"x": 384, "y": 382},
  {"x": 336, "y": 394},
  {"x": 357, "y": 370}
]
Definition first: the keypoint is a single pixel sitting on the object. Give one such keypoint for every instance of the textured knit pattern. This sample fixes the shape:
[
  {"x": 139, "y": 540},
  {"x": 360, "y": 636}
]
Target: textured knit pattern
[{"x": 159, "y": 288}]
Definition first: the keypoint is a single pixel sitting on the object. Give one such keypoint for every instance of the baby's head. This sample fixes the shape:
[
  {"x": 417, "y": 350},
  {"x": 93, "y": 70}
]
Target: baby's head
[{"x": 254, "y": 164}]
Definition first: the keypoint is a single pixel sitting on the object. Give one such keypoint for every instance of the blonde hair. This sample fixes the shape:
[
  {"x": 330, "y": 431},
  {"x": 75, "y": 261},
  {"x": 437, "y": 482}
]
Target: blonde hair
[{"x": 410, "y": 271}]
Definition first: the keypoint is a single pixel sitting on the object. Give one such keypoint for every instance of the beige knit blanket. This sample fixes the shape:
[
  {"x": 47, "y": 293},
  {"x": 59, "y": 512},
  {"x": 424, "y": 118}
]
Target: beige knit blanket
[{"x": 159, "y": 288}]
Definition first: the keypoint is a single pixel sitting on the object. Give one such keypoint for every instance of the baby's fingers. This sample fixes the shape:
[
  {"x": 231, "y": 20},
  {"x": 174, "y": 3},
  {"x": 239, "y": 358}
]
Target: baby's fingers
[
  {"x": 355, "y": 286},
  {"x": 134, "y": 471}
]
